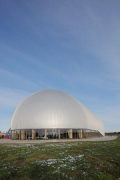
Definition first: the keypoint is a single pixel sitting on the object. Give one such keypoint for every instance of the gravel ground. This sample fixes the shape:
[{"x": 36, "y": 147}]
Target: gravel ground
[{"x": 105, "y": 138}]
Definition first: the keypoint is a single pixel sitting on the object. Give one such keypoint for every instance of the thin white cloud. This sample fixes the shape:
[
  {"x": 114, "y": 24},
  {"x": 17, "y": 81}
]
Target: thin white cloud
[
  {"x": 77, "y": 77},
  {"x": 10, "y": 98},
  {"x": 48, "y": 69},
  {"x": 80, "y": 27},
  {"x": 15, "y": 78},
  {"x": 110, "y": 116}
]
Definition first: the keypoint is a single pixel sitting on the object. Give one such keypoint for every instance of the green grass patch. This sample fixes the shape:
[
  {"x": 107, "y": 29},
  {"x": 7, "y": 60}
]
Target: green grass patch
[{"x": 56, "y": 161}]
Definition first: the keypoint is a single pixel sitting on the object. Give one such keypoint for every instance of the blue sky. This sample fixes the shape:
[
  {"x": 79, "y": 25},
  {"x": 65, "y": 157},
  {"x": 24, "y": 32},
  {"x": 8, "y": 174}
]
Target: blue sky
[{"x": 73, "y": 46}]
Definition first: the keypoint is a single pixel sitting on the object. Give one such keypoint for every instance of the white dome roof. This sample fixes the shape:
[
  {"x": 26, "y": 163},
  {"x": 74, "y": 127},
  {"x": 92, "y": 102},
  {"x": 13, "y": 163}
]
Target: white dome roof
[{"x": 54, "y": 109}]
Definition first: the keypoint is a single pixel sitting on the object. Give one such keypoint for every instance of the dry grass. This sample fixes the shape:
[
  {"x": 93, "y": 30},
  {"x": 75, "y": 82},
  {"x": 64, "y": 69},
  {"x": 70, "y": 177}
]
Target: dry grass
[{"x": 69, "y": 160}]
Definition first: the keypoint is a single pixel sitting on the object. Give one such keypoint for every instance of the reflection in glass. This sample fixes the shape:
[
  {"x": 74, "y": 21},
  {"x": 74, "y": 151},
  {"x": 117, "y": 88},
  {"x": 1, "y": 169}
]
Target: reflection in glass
[{"x": 54, "y": 133}]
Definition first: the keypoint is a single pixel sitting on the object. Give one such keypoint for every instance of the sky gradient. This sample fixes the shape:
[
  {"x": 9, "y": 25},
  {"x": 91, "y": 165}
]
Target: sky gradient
[{"x": 73, "y": 46}]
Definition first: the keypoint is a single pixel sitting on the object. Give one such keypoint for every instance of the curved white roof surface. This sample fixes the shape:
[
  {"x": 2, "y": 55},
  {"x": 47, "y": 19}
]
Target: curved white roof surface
[{"x": 54, "y": 109}]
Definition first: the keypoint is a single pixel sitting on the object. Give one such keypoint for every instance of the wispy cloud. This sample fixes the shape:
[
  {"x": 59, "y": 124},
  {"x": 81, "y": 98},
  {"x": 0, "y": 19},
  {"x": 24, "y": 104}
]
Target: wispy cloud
[
  {"x": 80, "y": 74},
  {"x": 62, "y": 45},
  {"x": 111, "y": 118},
  {"x": 14, "y": 79},
  {"x": 10, "y": 98}
]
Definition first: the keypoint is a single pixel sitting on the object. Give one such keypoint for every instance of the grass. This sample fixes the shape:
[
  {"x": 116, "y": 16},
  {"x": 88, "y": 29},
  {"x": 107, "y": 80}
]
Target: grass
[{"x": 56, "y": 161}]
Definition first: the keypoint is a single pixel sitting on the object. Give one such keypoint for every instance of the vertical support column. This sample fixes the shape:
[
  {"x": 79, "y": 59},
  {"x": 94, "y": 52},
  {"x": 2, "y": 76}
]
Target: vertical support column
[
  {"x": 45, "y": 133},
  {"x": 19, "y": 135},
  {"x": 58, "y": 133},
  {"x": 22, "y": 134},
  {"x": 33, "y": 134},
  {"x": 70, "y": 135},
  {"x": 90, "y": 133},
  {"x": 14, "y": 135},
  {"x": 81, "y": 134}
]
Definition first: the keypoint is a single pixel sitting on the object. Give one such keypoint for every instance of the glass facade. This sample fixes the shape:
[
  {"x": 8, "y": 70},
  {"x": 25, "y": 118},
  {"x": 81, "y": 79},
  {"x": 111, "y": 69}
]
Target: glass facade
[{"x": 34, "y": 134}]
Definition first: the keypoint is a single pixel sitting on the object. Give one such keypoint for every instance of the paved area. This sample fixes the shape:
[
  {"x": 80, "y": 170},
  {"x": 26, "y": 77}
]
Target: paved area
[{"x": 105, "y": 138}]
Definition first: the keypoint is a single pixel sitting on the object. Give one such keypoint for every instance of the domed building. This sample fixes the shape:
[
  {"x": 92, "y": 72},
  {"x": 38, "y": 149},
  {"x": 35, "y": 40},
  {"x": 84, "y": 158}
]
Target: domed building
[{"x": 53, "y": 114}]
